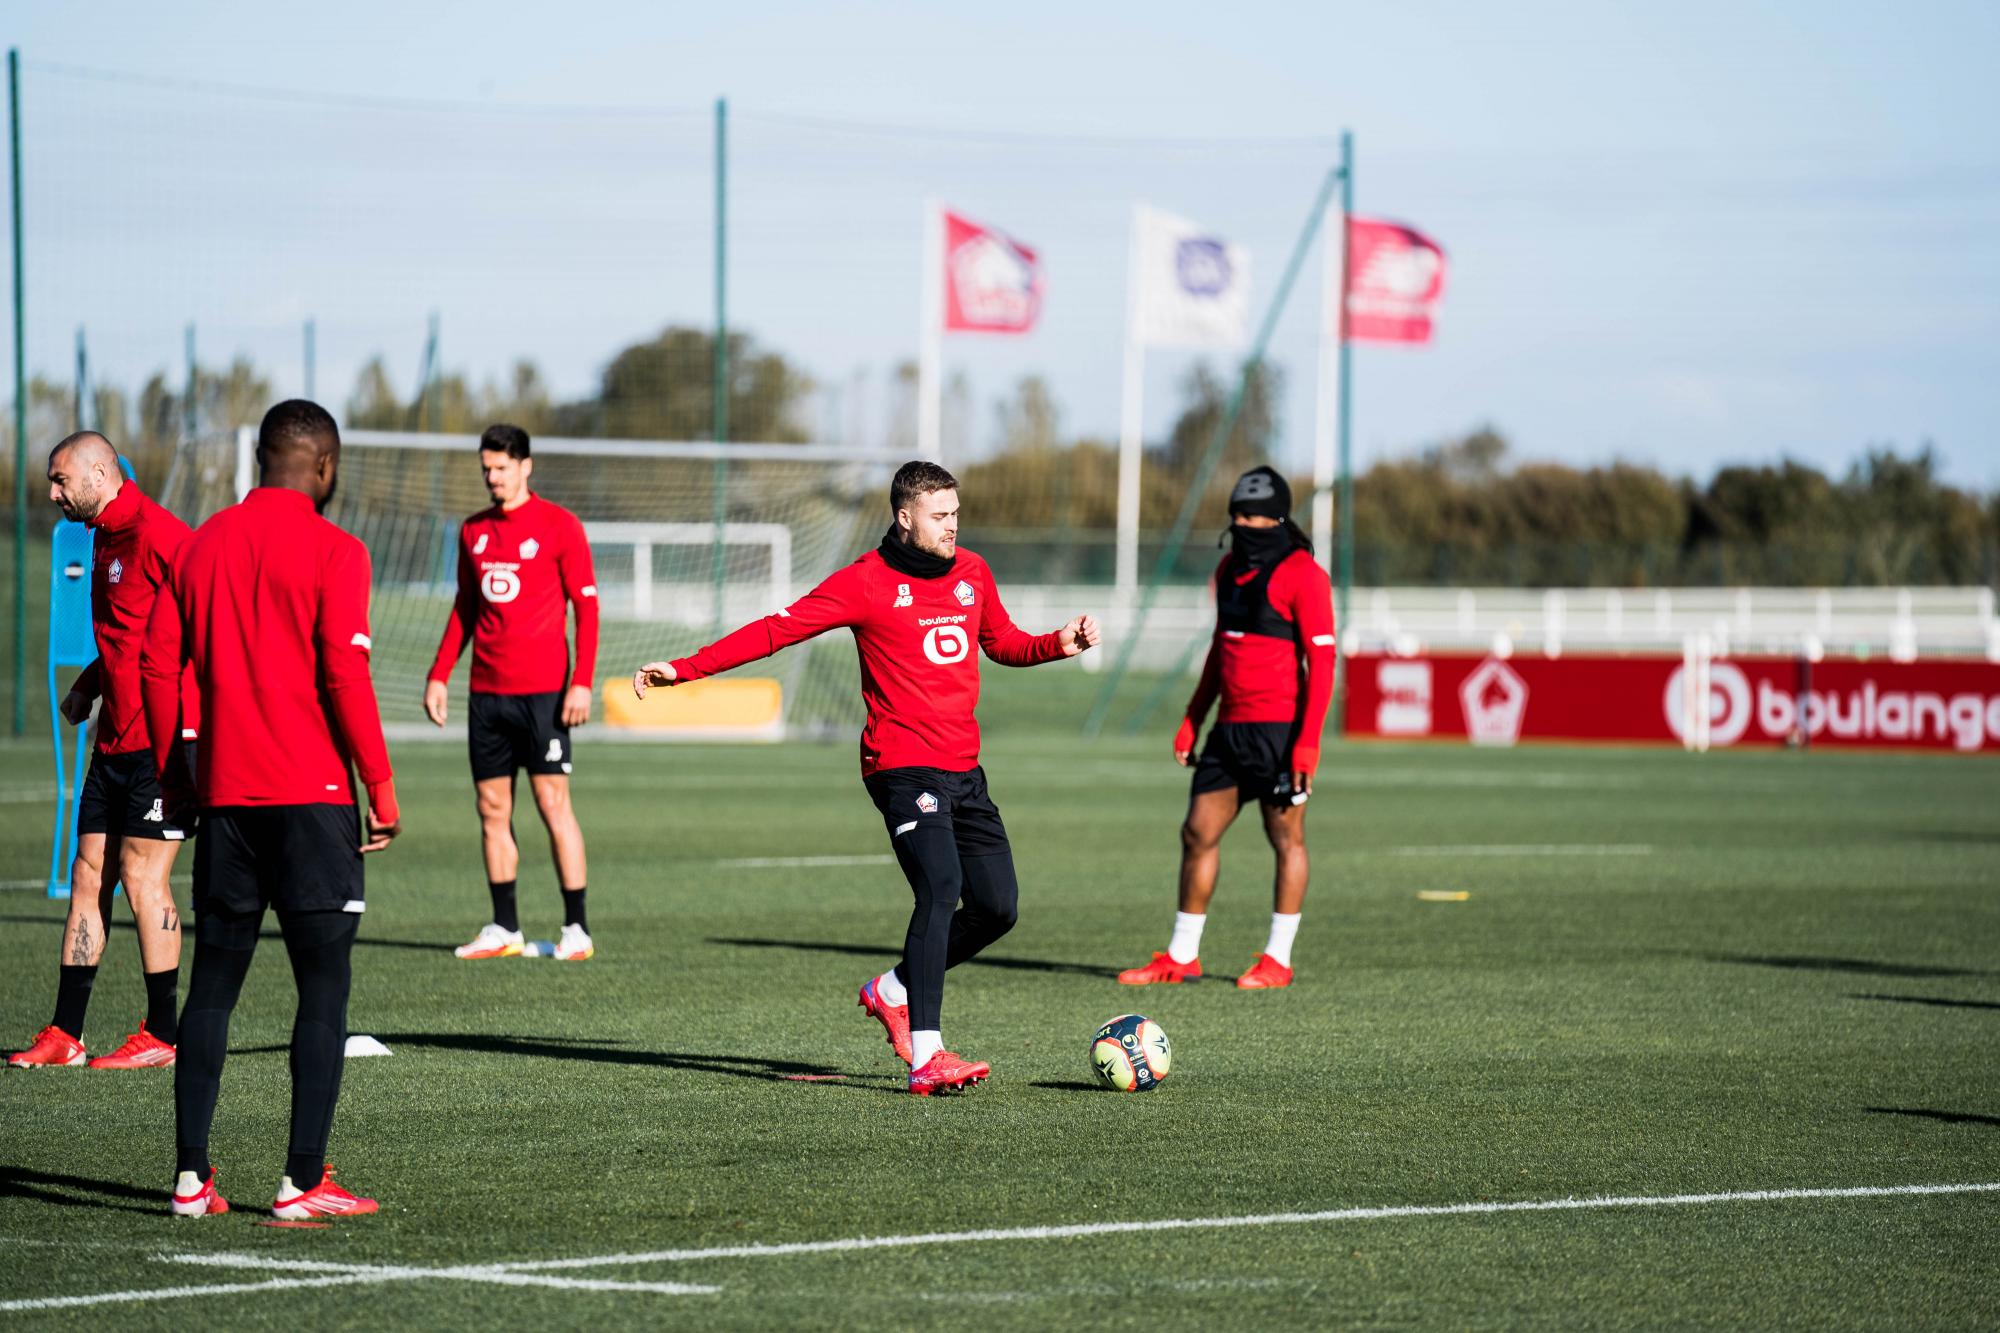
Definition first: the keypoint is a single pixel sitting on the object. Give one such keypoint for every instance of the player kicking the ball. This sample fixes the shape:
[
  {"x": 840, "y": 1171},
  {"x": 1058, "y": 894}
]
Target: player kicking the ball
[
  {"x": 122, "y": 827},
  {"x": 1272, "y": 663},
  {"x": 521, "y": 565},
  {"x": 917, "y": 605}
]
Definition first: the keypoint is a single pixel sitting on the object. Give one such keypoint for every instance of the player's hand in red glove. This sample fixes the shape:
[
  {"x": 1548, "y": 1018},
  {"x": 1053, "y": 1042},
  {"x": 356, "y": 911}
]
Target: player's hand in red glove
[
  {"x": 1305, "y": 759},
  {"x": 1184, "y": 743},
  {"x": 385, "y": 820}
]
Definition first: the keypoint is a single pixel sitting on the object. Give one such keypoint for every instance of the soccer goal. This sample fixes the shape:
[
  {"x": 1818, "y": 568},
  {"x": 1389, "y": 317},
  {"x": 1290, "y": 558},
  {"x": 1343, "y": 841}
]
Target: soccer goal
[{"x": 687, "y": 538}]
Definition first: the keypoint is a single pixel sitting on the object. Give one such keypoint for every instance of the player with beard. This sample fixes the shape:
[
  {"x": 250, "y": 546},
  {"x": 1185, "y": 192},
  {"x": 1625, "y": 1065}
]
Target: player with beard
[
  {"x": 121, "y": 821},
  {"x": 522, "y": 564},
  {"x": 1271, "y": 662},
  {"x": 269, "y": 604},
  {"x": 917, "y": 604}
]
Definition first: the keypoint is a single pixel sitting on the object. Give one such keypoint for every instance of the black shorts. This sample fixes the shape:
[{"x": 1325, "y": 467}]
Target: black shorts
[
  {"x": 508, "y": 732},
  {"x": 297, "y": 858},
  {"x": 121, "y": 797},
  {"x": 910, "y": 796},
  {"x": 1253, "y": 757}
]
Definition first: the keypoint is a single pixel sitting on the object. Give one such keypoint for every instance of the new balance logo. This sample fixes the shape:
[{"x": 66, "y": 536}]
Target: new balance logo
[
  {"x": 903, "y": 597},
  {"x": 554, "y": 756},
  {"x": 156, "y": 815}
]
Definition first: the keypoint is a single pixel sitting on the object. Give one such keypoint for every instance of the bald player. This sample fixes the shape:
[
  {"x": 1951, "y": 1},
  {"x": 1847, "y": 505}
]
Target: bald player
[
  {"x": 121, "y": 822},
  {"x": 269, "y": 603}
]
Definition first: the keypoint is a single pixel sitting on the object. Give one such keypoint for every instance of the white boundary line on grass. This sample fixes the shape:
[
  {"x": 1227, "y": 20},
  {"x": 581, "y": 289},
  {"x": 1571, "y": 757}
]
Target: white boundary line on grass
[
  {"x": 1222, "y": 1223},
  {"x": 1530, "y": 849},
  {"x": 536, "y": 1272},
  {"x": 805, "y": 862}
]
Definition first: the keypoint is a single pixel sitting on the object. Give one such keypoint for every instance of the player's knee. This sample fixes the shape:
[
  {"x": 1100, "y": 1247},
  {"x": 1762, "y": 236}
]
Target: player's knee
[
  {"x": 1002, "y": 917},
  {"x": 84, "y": 878},
  {"x": 1196, "y": 839},
  {"x": 495, "y": 807},
  {"x": 552, "y": 800}
]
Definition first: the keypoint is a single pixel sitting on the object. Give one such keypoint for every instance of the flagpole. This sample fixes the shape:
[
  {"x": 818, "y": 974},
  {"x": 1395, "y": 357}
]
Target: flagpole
[
  {"x": 1345, "y": 389},
  {"x": 1131, "y": 424},
  {"x": 1326, "y": 417},
  {"x": 930, "y": 353}
]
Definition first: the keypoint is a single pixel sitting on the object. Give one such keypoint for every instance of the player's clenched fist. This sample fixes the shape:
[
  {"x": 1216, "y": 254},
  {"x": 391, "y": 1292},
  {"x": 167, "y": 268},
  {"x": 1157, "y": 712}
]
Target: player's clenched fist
[
  {"x": 1078, "y": 635},
  {"x": 653, "y": 673}
]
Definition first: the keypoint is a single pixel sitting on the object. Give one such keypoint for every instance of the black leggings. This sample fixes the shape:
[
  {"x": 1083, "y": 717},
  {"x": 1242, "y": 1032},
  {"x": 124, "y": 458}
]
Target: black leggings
[
  {"x": 320, "y": 944},
  {"x": 940, "y": 938}
]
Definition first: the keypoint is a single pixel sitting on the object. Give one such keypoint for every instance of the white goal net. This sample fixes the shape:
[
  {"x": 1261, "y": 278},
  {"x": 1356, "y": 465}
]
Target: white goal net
[{"x": 688, "y": 539}]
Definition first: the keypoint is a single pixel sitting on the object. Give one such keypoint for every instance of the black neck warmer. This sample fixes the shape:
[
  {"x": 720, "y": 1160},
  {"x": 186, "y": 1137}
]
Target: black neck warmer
[
  {"x": 905, "y": 558},
  {"x": 1256, "y": 548}
]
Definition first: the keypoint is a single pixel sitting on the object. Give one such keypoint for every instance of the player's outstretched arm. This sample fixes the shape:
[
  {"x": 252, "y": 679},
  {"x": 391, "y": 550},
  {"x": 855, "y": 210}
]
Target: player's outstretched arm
[{"x": 838, "y": 601}]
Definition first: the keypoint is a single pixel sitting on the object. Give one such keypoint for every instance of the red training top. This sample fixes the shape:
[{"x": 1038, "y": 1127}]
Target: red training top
[
  {"x": 519, "y": 570},
  {"x": 136, "y": 542},
  {"x": 919, "y": 676},
  {"x": 269, "y": 602},
  {"x": 1273, "y": 654}
]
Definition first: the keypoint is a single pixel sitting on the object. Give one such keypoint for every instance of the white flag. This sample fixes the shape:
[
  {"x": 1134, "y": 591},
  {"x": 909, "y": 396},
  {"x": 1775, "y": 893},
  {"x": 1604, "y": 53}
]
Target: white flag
[{"x": 1192, "y": 288}]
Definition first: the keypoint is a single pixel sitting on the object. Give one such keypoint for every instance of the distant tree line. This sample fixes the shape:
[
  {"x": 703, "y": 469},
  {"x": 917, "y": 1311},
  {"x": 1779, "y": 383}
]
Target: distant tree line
[{"x": 1043, "y": 503}]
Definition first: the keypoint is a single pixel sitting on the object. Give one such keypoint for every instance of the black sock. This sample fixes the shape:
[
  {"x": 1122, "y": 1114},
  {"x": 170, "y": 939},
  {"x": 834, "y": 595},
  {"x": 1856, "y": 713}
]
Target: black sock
[
  {"x": 505, "y": 915},
  {"x": 304, "y": 1170},
  {"x": 73, "y": 997},
  {"x": 573, "y": 908},
  {"x": 160, "y": 994}
]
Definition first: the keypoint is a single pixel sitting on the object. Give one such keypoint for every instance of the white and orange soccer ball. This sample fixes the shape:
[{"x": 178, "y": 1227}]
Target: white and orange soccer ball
[{"x": 1131, "y": 1053}]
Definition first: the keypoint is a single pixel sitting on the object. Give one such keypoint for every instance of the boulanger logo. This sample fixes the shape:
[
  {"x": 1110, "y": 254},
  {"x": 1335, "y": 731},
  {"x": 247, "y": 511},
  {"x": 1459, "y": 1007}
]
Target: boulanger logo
[
  {"x": 500, "y": 585},
  {"x": 1728, "y": 703},
  {"x": 946, "y": 645}
]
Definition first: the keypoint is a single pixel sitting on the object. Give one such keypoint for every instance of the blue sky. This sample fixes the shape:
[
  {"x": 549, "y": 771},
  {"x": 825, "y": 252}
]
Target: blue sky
[{"x": 1684, "y": 235}]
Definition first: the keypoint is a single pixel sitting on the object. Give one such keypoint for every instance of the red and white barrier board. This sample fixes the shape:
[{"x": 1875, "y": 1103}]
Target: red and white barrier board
[{"x": 1951, "y": 705}]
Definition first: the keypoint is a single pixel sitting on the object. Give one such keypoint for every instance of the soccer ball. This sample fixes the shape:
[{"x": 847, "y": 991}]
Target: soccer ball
[{"x": 1131, "y": 1054}]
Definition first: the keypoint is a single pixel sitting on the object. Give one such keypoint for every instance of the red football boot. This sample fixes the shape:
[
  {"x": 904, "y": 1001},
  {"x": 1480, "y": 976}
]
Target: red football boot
[
  {"x": 325, "y": 1199},
  {"x": 142, "y": 1050},
  {"x": 52, "y": 1046},
  {"x": 894, "y": 1018},
  {"x": 1267, "y": 973},
  {"x": 197, "y": 1198},
  {"x": 1162, "y": 970},
  {"x": 945, "y": 1072}
]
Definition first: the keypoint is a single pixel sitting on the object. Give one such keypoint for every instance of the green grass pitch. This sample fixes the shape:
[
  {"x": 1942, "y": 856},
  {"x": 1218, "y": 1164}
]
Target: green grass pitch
[{"x": 1674, "y": 975}]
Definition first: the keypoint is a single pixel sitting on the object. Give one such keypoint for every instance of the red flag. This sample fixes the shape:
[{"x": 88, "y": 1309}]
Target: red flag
[
  {"x": 992, "y": 283},
  {"x": 1395, "y": 276}
]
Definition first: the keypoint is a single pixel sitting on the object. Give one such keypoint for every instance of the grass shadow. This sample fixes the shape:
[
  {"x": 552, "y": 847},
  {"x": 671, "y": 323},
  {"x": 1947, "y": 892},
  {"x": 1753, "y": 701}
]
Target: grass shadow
[
  {"x": 879, "y": 953},
  {"x": 608, "y": 1052},
  {"x": 1927, "y": 1113},
  {"x": 1931, "y": 1000},
  {"x": 1806, "y": 962},
  {"x": 19, "y": 1182},
  {"x": 1069, "y": 1085}
]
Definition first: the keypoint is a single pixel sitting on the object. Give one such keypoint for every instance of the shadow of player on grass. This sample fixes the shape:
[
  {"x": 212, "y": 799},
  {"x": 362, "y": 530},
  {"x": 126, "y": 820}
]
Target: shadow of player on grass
[
  {"x": 19, "y": 1182},
  {"x": 885, "y": 957},
  {"x": 615, "y": 1053}
]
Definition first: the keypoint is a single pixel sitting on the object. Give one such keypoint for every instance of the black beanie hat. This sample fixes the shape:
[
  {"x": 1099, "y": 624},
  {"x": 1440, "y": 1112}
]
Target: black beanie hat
[{"x": 1262, "y": 491}]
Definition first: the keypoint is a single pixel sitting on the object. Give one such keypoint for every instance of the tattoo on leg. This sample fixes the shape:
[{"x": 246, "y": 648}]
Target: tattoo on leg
[
  {"x": 79, "y": 951},
  {"x": 168, "y": 921}
]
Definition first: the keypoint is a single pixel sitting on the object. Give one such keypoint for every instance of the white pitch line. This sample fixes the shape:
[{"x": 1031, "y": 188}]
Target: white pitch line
[
  {"x": 1222, "y": 1223},
  {"x": 171, "y": 1293},
  {"x": 1531, "y": 849},
  {"x": 791, "y": 862},
  {"x": 492, "y": 1274}
]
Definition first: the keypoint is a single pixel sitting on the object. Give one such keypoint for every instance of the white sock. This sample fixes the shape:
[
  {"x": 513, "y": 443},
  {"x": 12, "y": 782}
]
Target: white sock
[
  {"x": 923, "y": 1045},
  {"x": 890, "y": 988},
  {"x": 1185, "y": 946},
  {"x": 1284, "y": 929}
]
